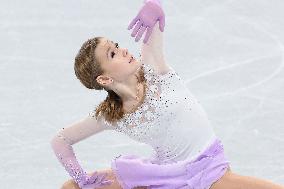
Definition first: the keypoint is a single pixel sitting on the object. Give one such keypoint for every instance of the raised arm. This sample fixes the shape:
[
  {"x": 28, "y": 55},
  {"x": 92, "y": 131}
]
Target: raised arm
[
  {"x": 152, "y": 52},
  {"x": 62, "y": 143},
  {"x": 151, "y": 18}
]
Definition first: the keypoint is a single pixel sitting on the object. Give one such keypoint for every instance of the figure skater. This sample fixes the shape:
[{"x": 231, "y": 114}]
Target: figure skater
[{"x": 149, "y": 102}]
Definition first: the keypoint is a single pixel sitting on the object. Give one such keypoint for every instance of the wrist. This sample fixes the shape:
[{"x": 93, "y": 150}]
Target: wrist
[
  {"x": 81, "y": 184},
  {"x": 158, "y": 2},
  {"x": 82, "y": 180}
]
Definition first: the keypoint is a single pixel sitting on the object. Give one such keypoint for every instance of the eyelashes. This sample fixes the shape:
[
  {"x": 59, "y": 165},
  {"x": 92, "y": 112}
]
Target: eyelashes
[{"x": 112, "y": 53}]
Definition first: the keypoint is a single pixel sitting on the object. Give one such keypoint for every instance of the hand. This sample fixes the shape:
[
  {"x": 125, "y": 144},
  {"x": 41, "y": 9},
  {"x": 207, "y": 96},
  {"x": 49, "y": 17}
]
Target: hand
[
  {"x": 94, "y": 181},
  {"x": 147, "y": 17}
]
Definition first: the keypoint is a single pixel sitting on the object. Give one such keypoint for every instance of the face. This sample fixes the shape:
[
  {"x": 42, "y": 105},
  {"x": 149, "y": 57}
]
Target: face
[{"x": 117, "y": 62}]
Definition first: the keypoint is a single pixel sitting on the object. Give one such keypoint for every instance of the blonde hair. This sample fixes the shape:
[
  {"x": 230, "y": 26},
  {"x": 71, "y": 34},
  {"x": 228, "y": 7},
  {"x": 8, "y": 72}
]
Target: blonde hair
[{"x": 87, "y": 68}]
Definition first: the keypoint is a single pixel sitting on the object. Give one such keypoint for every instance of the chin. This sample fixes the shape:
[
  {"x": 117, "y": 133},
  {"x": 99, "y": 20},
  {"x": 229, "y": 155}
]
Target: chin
[{"x": 139, "y": 64}]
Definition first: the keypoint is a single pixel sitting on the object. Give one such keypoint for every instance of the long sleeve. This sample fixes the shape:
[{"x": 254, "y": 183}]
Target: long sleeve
[
  {"x": 64, "y": 153},
  {"x": 62, "y": 145}
]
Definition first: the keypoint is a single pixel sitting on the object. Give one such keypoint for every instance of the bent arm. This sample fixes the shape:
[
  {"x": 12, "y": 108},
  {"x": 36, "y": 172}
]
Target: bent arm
[
  {"x": 83, "y": 129},
  {"x": 62, "y": 143}
]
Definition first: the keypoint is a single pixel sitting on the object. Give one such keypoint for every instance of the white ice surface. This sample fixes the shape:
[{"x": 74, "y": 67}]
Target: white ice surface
[{"x": 229, "y": 51}]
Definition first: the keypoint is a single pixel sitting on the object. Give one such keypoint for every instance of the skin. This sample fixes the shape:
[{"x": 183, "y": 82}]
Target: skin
[{"x": 120, "y": 75}]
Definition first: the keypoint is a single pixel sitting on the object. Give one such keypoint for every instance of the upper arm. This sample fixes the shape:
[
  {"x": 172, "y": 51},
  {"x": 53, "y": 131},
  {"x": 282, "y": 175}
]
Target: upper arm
[
  {"x": 153, "y": 53},
  {"x": 82, "y": 129}
]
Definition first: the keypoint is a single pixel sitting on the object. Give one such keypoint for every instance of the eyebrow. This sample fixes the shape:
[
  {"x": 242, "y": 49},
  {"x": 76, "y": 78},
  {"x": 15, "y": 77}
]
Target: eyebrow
[{"x": 108, "y": 49}]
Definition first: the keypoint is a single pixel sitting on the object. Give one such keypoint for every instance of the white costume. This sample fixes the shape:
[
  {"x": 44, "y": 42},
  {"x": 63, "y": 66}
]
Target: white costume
[{"x": 170, "y": 119}]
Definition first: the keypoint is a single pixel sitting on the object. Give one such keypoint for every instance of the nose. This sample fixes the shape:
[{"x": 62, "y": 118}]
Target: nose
[{"x": 125, "y": 52}]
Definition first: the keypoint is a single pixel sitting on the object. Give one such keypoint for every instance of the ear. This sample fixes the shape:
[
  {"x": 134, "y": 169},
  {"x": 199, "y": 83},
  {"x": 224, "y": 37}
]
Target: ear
[{"x": 104, "y": 80}]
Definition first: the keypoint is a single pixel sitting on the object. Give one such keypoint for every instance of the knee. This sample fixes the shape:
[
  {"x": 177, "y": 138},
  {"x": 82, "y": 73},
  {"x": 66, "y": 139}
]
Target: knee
[
  {"x": 224, "y": 182},
  {"x": 70, "y": 184}
]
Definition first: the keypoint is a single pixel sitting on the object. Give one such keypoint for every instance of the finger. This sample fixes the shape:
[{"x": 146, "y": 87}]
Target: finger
[
  {"x": 96, "y": 185},
  {"x": 132, "y": 23},
  {"x": 140, "y": 33},
  {"x": 149, "y": 31},
  {"x": 134, "y": 32},
  {"x": 108, "y": 182},
  {"x": 93, "y": 178},
  {"x": 162, "y": 23},
  {"x": 101, "y": 177}
]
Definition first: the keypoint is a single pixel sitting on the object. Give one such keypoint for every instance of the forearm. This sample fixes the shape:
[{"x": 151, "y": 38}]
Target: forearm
[
  {"x": 154, "y": 48},
  {"x": 65, "y": 154}
]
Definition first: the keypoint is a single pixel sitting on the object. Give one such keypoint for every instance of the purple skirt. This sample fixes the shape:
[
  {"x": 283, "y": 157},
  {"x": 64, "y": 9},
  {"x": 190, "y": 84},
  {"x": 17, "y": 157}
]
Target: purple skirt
[{"x": 200, "y": 173}]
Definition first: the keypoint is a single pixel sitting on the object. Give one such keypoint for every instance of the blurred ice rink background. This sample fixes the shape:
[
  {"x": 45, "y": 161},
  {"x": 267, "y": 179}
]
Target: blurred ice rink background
[{"x": 230, "y": 52}]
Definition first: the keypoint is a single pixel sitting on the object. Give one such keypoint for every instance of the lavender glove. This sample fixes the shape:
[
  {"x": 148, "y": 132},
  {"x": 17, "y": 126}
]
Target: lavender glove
[
  {"x": 147, "y": 17},
  {"x": 65, "y": 154}
]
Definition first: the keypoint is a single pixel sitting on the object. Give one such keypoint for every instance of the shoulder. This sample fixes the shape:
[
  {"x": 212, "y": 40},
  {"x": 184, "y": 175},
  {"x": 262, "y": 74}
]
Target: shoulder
[
  {"x": 158, "y": 70},
  {"x": 162, "y": 69},
  {"x": 100, "y": 120}
]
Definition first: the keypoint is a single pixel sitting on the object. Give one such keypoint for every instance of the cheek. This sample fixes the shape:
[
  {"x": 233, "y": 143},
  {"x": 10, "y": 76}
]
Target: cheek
[
  {"x": 120, "y": 65},
  {"x": 119, "y": 69}
]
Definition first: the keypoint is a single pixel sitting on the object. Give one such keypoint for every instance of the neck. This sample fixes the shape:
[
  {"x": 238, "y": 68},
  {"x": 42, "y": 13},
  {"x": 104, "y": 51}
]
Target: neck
[{"x": 128, "y": 90}]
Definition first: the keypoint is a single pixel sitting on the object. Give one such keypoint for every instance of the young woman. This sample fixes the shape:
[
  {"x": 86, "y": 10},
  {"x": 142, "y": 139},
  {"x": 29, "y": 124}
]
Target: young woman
[{"x": 148, "y": 101}]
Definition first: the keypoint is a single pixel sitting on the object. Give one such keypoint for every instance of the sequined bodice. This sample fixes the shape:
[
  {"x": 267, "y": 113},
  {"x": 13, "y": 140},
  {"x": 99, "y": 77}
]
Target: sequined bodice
[{"x": 169, "y": 119}]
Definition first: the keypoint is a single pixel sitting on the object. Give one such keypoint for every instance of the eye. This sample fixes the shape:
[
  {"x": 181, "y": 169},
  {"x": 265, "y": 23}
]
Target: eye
[{"x": 112, "y": 53}]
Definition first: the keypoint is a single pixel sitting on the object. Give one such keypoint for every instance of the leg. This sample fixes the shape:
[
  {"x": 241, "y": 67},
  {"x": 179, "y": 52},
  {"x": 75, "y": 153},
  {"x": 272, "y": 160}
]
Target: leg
[
  {"x": 71, "y": 184},
  {"x": 241, "y": 182},
  {"x": 235, "y": 181}
]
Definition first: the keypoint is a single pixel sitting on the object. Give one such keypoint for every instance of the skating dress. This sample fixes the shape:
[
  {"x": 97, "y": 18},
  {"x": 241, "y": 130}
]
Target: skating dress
[{"x": 188, "y": 155}]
